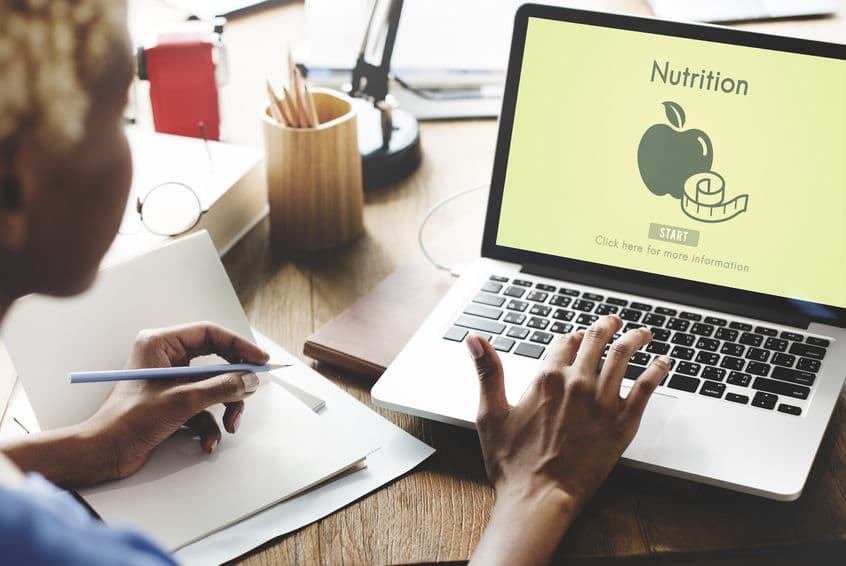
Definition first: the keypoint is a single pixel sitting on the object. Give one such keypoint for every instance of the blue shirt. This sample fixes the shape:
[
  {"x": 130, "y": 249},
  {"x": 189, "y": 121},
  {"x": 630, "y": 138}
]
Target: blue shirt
[{"x": 41, "y": 524}]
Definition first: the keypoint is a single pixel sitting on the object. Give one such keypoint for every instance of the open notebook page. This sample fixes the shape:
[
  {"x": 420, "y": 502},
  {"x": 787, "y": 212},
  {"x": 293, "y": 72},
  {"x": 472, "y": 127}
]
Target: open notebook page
[
  {"x": 281, "y": 448},
  {"x": 181, "y": 494}
]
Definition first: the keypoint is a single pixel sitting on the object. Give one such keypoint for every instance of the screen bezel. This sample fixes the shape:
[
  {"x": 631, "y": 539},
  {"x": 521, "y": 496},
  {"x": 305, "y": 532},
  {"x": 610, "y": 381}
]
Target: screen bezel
[{"x": 697, "y": 293}]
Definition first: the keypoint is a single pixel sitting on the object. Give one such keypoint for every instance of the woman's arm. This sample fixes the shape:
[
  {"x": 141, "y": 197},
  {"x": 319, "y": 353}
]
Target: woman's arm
[
  {"x": 547, "y": 455},
  {"x": 525, "y": 527},
  {"x": 139, "y": 415},
  {"x": 72, "y": 456},
  {"x": 10, "y": 474}
]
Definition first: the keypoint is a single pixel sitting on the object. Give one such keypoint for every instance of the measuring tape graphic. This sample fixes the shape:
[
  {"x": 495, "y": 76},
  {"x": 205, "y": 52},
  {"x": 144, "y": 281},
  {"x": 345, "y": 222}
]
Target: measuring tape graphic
[{"x": 704, "y": 199}]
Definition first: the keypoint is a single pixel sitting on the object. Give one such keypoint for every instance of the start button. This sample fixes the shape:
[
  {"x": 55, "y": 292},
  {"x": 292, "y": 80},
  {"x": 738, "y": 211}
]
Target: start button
[{"x": 674, "y": 234}]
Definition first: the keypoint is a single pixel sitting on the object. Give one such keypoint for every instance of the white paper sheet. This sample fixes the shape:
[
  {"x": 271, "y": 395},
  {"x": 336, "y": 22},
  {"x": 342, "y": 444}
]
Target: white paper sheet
[
  {"x": 281, "y": 448},
  {"x": 400, "y": 453}
]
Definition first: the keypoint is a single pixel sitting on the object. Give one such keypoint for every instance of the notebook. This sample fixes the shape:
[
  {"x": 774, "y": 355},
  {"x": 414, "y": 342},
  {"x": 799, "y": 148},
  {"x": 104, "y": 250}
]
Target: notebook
[
  {"x": 366, "y": 337},
  {"x": 181, "y": 495}
]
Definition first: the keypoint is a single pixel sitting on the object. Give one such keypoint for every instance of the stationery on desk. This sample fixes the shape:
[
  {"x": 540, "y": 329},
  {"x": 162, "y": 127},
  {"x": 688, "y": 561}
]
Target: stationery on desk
[
  {"x": 365, "y": 338},
  {"x": 181, "y": 372},
  {"x": 295, "y": 108},
  {"x": 194, "y": 372},
  {"x": 282, "y": 446}
]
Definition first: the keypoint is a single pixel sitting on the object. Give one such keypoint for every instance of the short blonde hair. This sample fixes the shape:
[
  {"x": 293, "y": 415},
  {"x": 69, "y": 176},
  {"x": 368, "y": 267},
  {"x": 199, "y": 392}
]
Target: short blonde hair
[{"x": 51, "y": 52}]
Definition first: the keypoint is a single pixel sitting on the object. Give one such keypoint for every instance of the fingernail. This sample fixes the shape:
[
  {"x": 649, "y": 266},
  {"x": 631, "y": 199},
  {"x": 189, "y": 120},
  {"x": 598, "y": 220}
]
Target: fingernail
[
  {"x": 236, "y": 423},
  {"x": 665, "y": 360},
  {"x": 215, "y": 442},
  {"x": 474, "y": 344},
  {"x": 251, "y": 382}
]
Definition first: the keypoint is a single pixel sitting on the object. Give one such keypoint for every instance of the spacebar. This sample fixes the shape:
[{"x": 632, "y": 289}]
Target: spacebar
[
  {"x": 480, "y": 324},
  {"x": 633, "y": 372}
]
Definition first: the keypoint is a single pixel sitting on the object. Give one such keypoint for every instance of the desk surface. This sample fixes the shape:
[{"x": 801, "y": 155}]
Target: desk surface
[{"x": 437, "y": 512}]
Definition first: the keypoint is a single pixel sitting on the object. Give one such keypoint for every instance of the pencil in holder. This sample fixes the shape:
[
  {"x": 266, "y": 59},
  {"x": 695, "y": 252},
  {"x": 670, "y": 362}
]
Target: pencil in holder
[{"x": 314, "y": 181}]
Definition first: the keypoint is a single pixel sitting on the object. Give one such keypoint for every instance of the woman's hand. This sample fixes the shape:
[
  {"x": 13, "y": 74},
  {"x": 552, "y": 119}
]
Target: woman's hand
[
  {"x": 139, "y": 415},
  {"x": 547, "y": 455}
]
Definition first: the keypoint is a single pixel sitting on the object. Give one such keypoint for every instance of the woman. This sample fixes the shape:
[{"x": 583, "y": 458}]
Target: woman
[{"x": 65, "y": 171}]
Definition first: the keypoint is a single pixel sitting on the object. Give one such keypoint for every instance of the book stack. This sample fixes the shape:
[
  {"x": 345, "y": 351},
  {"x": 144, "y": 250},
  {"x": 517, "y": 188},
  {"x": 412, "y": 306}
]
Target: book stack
[{"x": 228, "y": 180}]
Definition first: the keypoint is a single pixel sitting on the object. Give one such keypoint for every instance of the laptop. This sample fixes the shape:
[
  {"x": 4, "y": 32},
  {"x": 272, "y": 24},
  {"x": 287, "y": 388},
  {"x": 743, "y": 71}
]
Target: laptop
[{"x": 690, "y": 179}]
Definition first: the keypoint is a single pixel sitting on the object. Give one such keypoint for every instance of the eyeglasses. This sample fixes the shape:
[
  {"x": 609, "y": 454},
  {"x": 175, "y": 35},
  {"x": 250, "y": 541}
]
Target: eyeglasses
[{"x": 169, "y": 209}]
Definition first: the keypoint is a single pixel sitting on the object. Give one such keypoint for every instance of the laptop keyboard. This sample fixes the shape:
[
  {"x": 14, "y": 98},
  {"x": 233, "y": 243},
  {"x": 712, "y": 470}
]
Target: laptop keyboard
[{"x": 713, "y": 356}]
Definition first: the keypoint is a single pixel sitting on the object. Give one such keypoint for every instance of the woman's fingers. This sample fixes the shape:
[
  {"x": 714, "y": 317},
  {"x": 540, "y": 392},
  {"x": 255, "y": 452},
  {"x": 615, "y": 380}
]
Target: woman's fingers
[
  {"x": 232, "y": 416},
  {"x": 196, "y": 396},
  {"x": 204, "y": 426},
  {"x": 199, "y": 339},
  {"x": 593, "y": 344},
  {"x": 618, "y": 358},
  {"x": 563, "y": 350},
  {"x": 644, "y": 385},
  {"x": 492, "y": 400}
]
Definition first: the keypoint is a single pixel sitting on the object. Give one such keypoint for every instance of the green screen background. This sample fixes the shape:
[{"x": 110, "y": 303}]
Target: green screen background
[{"x": 584, "y": 101}]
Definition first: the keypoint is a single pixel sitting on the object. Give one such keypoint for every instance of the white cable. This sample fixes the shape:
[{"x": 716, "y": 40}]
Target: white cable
[{"x": 437, "y": 265}]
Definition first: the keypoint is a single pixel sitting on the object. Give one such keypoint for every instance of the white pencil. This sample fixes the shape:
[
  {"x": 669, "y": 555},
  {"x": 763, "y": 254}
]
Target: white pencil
[{"x": 189, "y": 372}]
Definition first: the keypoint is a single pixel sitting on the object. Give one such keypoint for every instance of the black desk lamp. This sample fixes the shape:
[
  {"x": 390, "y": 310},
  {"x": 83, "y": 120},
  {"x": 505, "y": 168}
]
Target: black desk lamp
[{"x": 388, "y": 137}]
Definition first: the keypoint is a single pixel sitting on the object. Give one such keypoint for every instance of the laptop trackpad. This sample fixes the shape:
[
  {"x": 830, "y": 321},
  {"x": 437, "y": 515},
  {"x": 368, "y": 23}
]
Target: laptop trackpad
[{"x": 652, "y": 423}]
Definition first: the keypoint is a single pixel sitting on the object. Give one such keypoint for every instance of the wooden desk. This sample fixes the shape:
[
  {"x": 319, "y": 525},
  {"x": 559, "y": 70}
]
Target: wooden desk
[{"x": 438, "y": 512}]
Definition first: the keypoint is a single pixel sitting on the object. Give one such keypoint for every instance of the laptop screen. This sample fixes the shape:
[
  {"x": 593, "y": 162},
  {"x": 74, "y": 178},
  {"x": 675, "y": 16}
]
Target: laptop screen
[{"x": 709, "y": 162}]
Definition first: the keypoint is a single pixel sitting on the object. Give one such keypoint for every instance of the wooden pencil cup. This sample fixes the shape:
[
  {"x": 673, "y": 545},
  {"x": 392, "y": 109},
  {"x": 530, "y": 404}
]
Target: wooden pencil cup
[{"x": 314, "y": 182}]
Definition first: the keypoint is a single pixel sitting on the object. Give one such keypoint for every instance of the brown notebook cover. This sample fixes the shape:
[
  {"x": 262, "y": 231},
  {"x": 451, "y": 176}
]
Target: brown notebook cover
[{"x": 365, "y": 338}]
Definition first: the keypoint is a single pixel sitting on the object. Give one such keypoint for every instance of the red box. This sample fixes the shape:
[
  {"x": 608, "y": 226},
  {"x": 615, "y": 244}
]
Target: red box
[{"x": 183, "y": 88}]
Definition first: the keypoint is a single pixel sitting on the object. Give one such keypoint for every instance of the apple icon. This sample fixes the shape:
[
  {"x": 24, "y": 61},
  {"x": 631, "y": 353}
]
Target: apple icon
[{"x": 668, "y": 156}]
